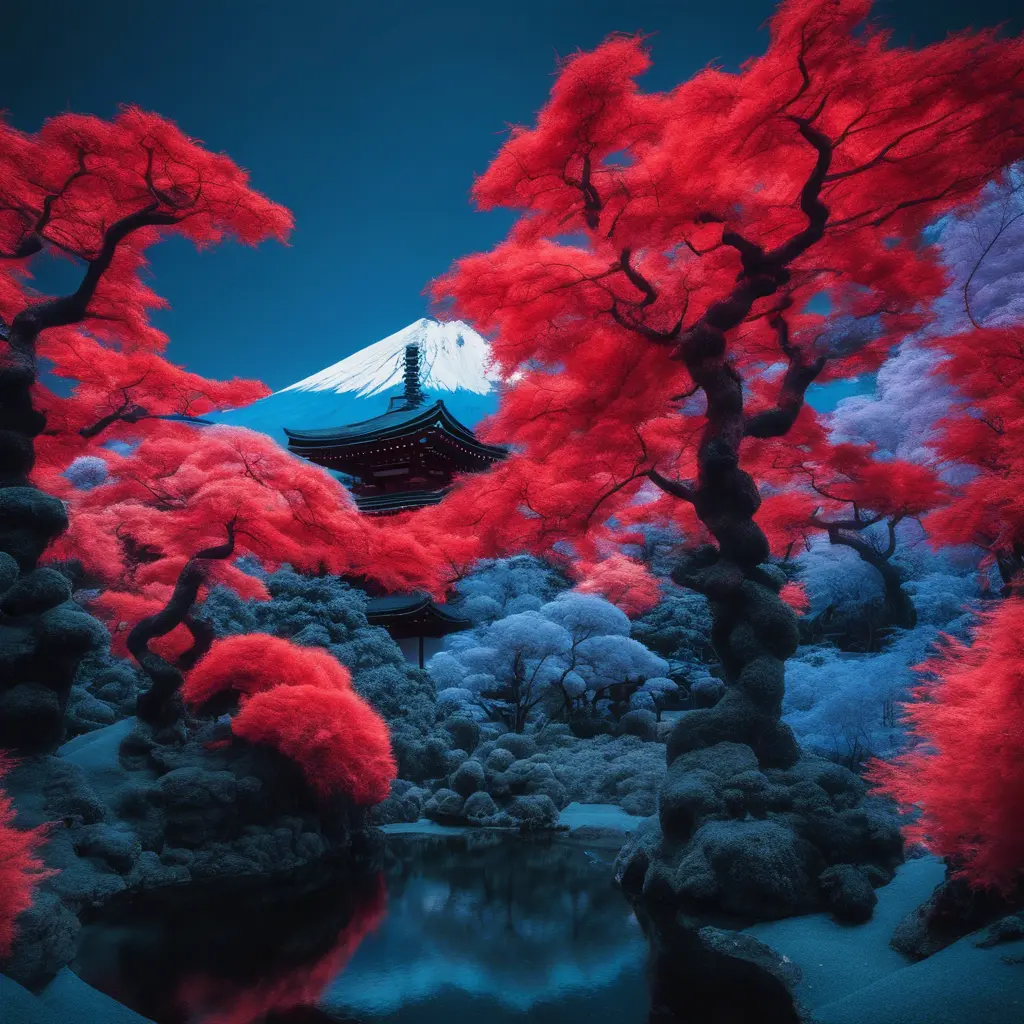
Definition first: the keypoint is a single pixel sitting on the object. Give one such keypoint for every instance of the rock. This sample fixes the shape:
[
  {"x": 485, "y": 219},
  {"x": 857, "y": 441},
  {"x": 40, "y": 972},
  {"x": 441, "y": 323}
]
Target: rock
[
  {"x": 197, "y": 788},
  {"x": 117, "y": 845},
  {"x": 1006, "y": 929},
  {"x": 500, "y": 759},
  {"x": 68, "y": 795},
  {"x": 68, "y": 631},
  {"x": 480, "y": 807},
  {"x": 469, "y": 778},
  {"x": 452, "y": 760},
  {"x": 952, "y": 911},
  {"x": 750, "y": 868},
  {"x": 746, "y": 947},
  {"x": 31, "y": 718},
  {"x": 150, "y": 873},
  {"x": 47, "y": 941},
  {"x": 687, "y": 797},
  {"x": 403, "y": 803},
  {"x": 465, "y": 732},
  {"x": 444, "y": 807},
  {"x": 706, "y": 692},
  {"x": 725, "y": 760},
  {"x": 639, "y": 723},
  {"x": 29, "y": 520},
  {"x": 36, "y": 592},
  {"x": 734, "y": 719},
  {"x": 9, "y": 571},
  {"x": 847, "y": 893},
  {"x": 519, "y": 744},
  {"x": 533, "y": 811},
  {"x": 87, "y": 712},
  {"x": 199, "y": 806}
]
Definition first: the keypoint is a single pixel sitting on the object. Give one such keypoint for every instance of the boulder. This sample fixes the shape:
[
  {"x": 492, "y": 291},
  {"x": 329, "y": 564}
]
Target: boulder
[
  {"x": 469, "y": 778},
  {"x": 35, "y": 592},
  {"x": 535, "y": 811},
  {"x": 847, "y": 893},
  {"x": 639, "y": 723},
  {"x": 464, "y": 732},
  {"x": 754, "y": 869}
]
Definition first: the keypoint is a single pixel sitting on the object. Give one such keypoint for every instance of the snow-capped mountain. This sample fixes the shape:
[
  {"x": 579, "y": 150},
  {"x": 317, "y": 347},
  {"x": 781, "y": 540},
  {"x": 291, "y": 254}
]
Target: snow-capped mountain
[{"x": 454, "y": 366}]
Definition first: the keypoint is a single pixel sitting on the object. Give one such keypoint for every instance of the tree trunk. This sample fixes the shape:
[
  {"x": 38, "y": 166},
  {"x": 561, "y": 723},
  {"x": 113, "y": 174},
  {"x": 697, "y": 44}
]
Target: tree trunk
[
  {"x": 898, "y": 602},
  {"x": 43, "y": 636},
  {"x": 159, "y": 704}
]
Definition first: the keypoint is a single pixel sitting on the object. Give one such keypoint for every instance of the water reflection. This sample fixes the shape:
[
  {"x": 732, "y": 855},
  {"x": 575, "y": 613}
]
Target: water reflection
[
  {"x": 229, "y": 954},
  {"x": 511, "y": 929},
  {"x": 478, "y": 927}
]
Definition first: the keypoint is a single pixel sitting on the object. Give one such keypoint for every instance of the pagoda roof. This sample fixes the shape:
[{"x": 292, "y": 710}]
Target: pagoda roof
[
  {"x": 392, "y": 424},
  {"x": 413, "y": 615},
  {"x": 398, "y": 501}
]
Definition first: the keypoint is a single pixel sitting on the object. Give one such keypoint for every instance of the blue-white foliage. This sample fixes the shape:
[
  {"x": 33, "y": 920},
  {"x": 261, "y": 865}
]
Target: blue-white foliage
[
  {"x": 87, "y": 472},
  {"x": 504, "y": 586},
  {"x": 845, "y": 706},
  {"x": 569, "y": 649},
  {"x": 940, "y": 582}
]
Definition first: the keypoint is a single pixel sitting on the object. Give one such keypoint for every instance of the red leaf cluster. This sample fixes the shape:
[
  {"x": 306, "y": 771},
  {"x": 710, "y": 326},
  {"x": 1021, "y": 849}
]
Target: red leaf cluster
[
  {"x": 795, "y": 595},
  {"x": 966, "y": 777},
  {"x": 174, "y": 495},
  {"x": 635, "y": 211},
  {"x": 985, "y": 432},
  {"x": 625, "y": 582},
  {"x": 254, "y": 662},
  {"x": 21, "y": 870},
  {"x": 300, "y": 701}
]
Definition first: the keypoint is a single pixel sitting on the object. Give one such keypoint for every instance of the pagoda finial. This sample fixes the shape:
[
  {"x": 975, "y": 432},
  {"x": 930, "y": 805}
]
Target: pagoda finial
[{"x": 413, "y": 392}]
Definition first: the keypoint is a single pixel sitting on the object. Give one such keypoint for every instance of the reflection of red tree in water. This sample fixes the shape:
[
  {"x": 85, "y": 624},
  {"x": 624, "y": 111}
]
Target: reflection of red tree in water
[{"x": 214, "y": 1000}]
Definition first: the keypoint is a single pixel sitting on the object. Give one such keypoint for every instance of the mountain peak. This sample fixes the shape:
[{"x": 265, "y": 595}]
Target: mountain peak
[{"x": 452, "y": 357}]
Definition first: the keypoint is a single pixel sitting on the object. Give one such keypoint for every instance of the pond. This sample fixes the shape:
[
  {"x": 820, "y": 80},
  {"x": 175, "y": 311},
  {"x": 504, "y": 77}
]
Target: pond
[{"x": 477, "y": 927}]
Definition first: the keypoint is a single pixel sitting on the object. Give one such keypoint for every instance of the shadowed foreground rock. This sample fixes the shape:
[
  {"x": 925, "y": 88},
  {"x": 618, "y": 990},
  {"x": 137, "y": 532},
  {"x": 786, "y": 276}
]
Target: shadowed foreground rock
[
  {"x": 138, "y": 811},
  {"x": 761, "y": 843}
]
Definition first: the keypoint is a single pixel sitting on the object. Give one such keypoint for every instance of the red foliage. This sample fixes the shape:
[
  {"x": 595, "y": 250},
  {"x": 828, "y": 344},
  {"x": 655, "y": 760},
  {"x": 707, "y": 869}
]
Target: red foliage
[
  {"x": 300, "y": 701},
  {"x": 339, "y": 741},
  {"x": 643, "y": 218},
  {"x": 220, "y": 1001},
  {"x": 21, "y": 870},
  {"x": 175, "y": 494},
  {"x": 255, "y": 662},
  {"x": 795, "y": 596},
  {"x": 986, "y": 432},
  {"x": 101, "y": 193},
  {"x": 623, "y": 581},
  {"x": 966, "y": 776}
]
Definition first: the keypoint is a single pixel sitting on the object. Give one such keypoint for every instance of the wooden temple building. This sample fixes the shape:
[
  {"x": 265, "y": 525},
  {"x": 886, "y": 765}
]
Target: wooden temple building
[{"x": 402, "y": 460}]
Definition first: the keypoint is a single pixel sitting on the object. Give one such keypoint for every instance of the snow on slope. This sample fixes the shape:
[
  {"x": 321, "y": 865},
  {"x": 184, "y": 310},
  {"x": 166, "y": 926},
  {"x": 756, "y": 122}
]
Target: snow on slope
[
  {"x": 454, "y": 366},
  {"x": 452, "y": 356}
]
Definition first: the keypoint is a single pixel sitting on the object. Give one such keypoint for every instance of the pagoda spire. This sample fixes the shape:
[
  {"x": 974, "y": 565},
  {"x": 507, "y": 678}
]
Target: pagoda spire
[{"x": 414, "y": 397}]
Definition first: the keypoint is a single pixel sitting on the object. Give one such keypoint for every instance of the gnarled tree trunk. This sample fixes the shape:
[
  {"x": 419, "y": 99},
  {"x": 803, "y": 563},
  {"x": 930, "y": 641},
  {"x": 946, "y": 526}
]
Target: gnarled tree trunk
[{"x": 159, "y": 705}]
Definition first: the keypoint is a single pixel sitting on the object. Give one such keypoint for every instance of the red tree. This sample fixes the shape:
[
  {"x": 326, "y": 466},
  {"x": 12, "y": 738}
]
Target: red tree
[
  {"x": 965, "y": 778},
  {"x": 844, "y": 490},
  {"x": 98, "y": 193},
  {"x": 21, "y": 870},
  {"x": 985, "y": 432},
  {"x": 182, "y": 505},
  {"x": 667, "y": 251},
  {"x": 182, "y": 502},
  {"x": 300, "y": 701}
]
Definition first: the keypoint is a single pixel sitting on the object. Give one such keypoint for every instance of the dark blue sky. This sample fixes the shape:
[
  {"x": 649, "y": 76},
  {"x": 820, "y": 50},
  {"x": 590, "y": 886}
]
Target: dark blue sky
[{"x": 368, "y": 120}]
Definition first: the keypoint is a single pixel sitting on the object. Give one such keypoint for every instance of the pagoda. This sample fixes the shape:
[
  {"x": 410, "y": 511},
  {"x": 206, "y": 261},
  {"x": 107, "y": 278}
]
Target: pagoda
[
  {"x": 399, "y": 461},
  {"x": 402, "y": 460}
]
